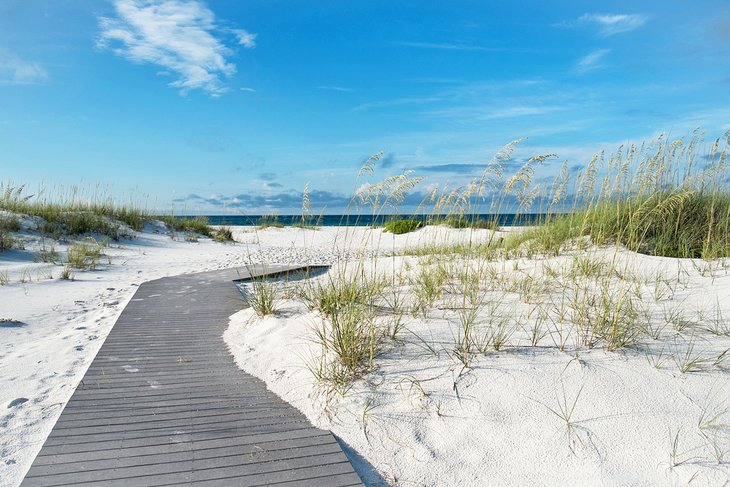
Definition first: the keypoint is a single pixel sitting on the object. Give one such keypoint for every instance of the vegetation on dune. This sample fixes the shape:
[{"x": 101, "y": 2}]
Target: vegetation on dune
[
  {"x": 8, "y": 224},
  {"x": 270, "y": 221},
  {"x": 657, "y": 200},
  {"x": 463, "y": 221},
  {"x": 223, "y": 234},
  {"x": 85, "y": 255},
  {"x": 547, "y": 284},
  {"x": 399, "y": 227},
  {"x": 191, "y": 226},
  {"x": 72, "y": 212}
]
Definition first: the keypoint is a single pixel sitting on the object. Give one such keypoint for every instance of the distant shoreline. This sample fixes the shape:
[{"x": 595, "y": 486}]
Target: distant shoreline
[{"x": 335, "y": 220}]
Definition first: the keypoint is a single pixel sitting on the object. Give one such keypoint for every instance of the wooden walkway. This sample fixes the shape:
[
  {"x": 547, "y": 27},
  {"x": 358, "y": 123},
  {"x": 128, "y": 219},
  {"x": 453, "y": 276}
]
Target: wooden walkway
[{"x": 163, "y": 403}]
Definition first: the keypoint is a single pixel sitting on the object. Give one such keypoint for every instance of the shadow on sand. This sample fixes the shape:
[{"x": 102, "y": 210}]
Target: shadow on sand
[{"x": 369, "y": 475}]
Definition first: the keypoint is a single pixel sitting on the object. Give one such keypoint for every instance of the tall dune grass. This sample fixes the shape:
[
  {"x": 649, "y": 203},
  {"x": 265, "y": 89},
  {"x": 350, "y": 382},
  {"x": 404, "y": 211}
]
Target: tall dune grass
[
  {"x": 665, "y": 198},
  {"x": 73, "y": 211},
  {"x": 657, "y": 199}
]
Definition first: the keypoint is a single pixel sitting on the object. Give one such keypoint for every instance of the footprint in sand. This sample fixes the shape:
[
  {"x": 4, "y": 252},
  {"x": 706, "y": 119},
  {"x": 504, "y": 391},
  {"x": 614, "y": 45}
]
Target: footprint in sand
[{"x": 17, "y": 402}]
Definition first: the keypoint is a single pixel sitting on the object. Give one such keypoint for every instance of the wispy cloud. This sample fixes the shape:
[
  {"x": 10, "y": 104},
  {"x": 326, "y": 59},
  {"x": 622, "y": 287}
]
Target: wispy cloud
[
  {"x": 592, "y": 61},
  {"x": 611, "y": 24},
  {"x": 341, "y": 89},
  {"x": 245, "y": 38},
  {"x": 452, "y": 46},
  {"x": 247, "y": 89},
  {"x": 16, "y": 71},
  {"x": 471, "y": 113},
  {"x": 181, "y": 36},
  {"x": 396, "y": 102},
  {"x": 461, "y": 90}
]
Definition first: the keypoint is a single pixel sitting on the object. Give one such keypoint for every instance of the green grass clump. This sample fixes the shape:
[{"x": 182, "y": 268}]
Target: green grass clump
[
  {"x": 351, "y": 338},
  {"x": 7, "y": 241},
  {"x": 190, "y": 225},
  {"x": 8, "y": 224},
  {"x": 399, "y": 227},
  {"x": 72, "y": 213},
  {"x": 331, "y": 295},
  {"x": 80, "y": 223},
  {"x": 263, "y": 295},
  {"x": 655, "y": 200},
  {"x": 223, "y": 234},
  {"x": 84, "y": 255},
  {"x": 682, "y": 222}
]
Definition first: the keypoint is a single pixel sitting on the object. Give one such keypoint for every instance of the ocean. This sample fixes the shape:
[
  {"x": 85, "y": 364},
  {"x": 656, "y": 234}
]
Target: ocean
[{"x": 509, "y": 219}]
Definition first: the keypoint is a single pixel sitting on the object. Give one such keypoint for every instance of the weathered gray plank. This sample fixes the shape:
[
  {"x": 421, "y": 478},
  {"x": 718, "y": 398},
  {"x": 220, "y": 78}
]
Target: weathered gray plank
[{"x": 163, "y": 403}]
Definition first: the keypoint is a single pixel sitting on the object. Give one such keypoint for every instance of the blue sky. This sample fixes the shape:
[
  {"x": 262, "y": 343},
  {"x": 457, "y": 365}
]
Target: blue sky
[{"x": 230, "y": 106}]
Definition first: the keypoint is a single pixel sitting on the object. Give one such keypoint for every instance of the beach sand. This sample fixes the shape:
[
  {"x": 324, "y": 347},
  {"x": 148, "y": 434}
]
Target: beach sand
[{"x": 420, "y": 417}]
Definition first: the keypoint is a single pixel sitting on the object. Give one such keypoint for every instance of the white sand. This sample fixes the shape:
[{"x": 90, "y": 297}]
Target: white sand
[
  {"x": 405, "y": 418},
  {"x": 59, "y": 326},
  {"x": 421, "y": 419}
]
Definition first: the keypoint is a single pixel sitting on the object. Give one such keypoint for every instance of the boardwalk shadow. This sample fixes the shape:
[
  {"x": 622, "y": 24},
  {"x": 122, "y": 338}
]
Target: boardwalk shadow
[{"x": 368, "y": 474}]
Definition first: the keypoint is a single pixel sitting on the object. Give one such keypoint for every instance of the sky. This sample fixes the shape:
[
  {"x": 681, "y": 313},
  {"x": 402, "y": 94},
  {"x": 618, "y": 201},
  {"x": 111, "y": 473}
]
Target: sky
[{"x": 233, "y": 106}]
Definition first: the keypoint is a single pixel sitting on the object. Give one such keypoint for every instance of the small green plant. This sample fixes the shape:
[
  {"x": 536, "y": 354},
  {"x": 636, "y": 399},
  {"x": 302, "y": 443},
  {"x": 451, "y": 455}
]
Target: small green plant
[
  {"x": 329, "y": 295},
  {"x": 7, "y": 241},
  {"x": 350, "y": 342},
  {"x": 9, "y": 223},
  {"x": 223, "y": 234},
  {"x": 67, "y": 274},
  {"x": 428, "y": 285},
  {"x": 47, "y": 253},
  {"x": 398, "y": 227},
  {"x": 263, "y": 295},
  {"x": 564, "y": 409},
  {"x": 690, "y": 360},
  {"x": 84, "y": 255}
]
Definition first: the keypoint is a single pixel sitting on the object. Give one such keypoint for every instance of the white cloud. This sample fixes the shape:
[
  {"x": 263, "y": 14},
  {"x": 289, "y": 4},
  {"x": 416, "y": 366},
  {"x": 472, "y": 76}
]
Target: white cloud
[
  {"x": 245, "y": 38},
  {"x": 611, "y": 24},
  {"x": 592, "y": 61},
  {"x": 181, "y": 36},
  {"x": 16, "y": 71}
]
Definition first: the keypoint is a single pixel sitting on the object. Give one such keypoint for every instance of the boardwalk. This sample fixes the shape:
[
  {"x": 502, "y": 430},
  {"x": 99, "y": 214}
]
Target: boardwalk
[{"x": 163, "y": 403}]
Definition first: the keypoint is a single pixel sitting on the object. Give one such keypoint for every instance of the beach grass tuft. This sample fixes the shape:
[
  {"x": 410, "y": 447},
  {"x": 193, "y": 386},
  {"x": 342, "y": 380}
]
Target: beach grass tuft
[{"x": 399, "y": 227}]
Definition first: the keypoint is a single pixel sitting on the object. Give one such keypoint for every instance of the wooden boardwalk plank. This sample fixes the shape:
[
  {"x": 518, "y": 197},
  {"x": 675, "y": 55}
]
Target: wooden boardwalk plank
[{"x": 163, "y": 403}]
